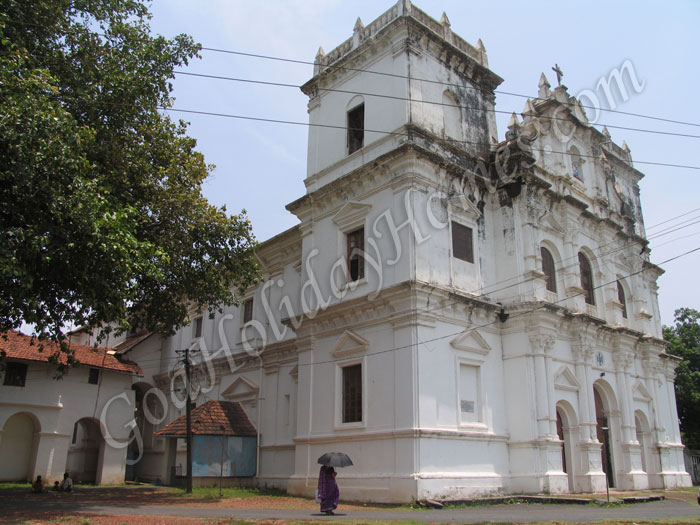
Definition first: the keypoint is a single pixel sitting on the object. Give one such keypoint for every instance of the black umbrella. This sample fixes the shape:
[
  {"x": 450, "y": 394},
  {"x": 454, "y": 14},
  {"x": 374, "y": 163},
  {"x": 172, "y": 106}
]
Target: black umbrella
[{"x": 335, "y": 459}]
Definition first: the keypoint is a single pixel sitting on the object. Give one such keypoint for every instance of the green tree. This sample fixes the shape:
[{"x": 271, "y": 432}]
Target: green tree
[
  {"x": 102, "y": 214},
  {"x": 684, "y": 342}
]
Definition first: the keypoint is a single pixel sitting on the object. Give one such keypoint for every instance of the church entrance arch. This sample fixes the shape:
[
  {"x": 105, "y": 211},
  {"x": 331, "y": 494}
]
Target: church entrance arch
[
  {"x": 18, "y": 446},
  {"x": 566, "y": 428},
  {"x": 603, "y": 432},
  {"x": 84, "y": 460},
  {"x": 142, "y": 441}
]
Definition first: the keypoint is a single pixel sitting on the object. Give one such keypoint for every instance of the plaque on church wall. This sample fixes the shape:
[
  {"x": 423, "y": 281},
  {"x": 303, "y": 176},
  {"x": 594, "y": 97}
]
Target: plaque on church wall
[{"x": 467, "y": 406}]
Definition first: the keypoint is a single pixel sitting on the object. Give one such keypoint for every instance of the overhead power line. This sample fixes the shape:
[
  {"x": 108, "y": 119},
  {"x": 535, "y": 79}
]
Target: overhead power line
[
  {"x": 484, "y": 325},
  {"x": 406, "y": 99},
  {"x": 431, "y": 81},
  {"x": 331, "y": 126}
]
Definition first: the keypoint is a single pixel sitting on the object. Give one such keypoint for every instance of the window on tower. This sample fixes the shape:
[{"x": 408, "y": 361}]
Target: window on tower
[
  {"x": 462, "y": 247},
  {"x": 356, "y": 128},
  {"x": 356, "y": 260},
  {"x": 586, "y": 278},
  {"x": 621, "y": 299},
  {"x": 548, "y": 269}
]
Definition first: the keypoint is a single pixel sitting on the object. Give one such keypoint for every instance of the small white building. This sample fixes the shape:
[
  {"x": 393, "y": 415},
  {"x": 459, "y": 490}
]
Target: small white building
[
  {"x": 462, "y": 316},
  {"x": 78, "y": 424}
]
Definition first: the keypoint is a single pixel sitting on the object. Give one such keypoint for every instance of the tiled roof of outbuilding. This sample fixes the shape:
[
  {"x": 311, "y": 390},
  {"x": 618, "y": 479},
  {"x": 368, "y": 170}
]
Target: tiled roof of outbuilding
[
  {"x": 207, "y": 420},
  {"x": 16, "y": 345}
]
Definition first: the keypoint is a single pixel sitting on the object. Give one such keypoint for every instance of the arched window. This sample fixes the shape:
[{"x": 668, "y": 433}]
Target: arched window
[
  {"x": 576, "y": 162},
  {"x": 452, "y": 116},
  {"x": 621, "y": 299},
  {"x": 586, "y": 278},
  {"x": 548, "y": 269}
]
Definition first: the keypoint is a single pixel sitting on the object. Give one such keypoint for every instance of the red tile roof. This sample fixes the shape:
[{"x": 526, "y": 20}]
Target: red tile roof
[
  {"x": 131, "y": 341},
  {"x": 19, "y": 346},
  {"x": 207, "y": 420}
]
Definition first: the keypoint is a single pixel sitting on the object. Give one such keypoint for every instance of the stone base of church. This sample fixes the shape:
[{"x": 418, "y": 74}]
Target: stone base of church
[{"x": 455, "y": 486}]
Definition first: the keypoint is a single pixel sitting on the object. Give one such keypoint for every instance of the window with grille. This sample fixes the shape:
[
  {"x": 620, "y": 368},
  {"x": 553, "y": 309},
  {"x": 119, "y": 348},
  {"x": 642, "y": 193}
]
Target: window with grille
[
  {"x": 94, "y": 376},
  {"x": 621, "y": 299},
  {"x": 356, "y": 260},
  {"x": 462, "y": 247},
  {"x": 586, "y": 278},
  {"x": 15, "y": 374},
  {"x": 356, "y": 128},
  {"x": 352, "y": 393},
  {"x": 248, "y": 310},
  {"x": 548, "y": 269}
]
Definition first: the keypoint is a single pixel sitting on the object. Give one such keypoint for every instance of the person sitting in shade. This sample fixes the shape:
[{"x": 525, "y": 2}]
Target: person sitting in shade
[
  {"x": 67, "y": 483},
  {"x": 38, "y": 485},
  {"x": 328, "y": 490}
]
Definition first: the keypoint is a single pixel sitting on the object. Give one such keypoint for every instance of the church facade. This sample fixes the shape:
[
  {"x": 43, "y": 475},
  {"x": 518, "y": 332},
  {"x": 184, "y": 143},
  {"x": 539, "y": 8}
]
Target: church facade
[{"x": 462, "y": 316}]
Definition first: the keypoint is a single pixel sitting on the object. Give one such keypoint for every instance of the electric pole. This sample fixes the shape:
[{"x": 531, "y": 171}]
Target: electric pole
[{"x": 188, "y": 411}]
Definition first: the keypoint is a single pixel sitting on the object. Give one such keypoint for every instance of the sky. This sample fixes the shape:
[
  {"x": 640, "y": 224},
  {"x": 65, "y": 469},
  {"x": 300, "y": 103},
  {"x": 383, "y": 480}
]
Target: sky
[{"x": 260, "y": 167}]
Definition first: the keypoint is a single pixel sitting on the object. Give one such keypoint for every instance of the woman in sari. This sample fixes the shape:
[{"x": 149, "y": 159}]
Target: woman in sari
[{"x": 328, "y": 490}]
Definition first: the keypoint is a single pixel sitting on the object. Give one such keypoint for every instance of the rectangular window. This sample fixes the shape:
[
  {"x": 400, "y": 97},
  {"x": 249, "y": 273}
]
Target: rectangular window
[
  {"x": 15, "y": 374},
  {"x": 462, "y": 247},
  {"x": 356, "y": 260},
  {"x": 197, "y": 327},
  {"x": 94, "y": 376},
  {"x": 352, "y": 393},
  {"x": 469, "y": 393},
  {"x": 356, "y": 128},
  {"x": 248, "y": 310}
]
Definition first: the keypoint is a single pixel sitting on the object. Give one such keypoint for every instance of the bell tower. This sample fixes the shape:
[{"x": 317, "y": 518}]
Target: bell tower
[{"x": 404, "y": 78}]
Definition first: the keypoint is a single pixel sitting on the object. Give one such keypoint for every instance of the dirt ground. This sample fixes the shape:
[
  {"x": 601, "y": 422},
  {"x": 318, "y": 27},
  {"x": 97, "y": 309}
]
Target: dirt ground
[
  {"x": 24, "y": 501},
  {"x": 21, "y": 506}
]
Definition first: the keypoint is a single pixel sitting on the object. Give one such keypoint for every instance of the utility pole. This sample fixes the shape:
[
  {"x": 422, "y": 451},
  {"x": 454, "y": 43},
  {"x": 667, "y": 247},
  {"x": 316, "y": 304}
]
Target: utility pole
[{"x": 188, "y": 411}]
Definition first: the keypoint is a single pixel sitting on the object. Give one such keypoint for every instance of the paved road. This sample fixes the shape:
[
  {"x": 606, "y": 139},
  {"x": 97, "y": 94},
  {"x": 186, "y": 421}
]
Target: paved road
[{"x": 521, "y": 513}]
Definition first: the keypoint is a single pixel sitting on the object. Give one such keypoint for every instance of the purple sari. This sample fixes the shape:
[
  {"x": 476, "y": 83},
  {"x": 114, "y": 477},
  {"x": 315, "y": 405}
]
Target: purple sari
[{"x": 328, "y": 489}]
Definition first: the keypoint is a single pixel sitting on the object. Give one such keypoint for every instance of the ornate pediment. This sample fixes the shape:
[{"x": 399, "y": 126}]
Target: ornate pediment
[
  {"x": 462, "y": 205},
  {"x": 350, "y": 343},
  {"x": 240, "y": 389},
  {"x": 551, "y": 224},
  {"x": 564, "y": 379},
  {"x": 471, "y": 341},
  {"x": 351, "y": 215},
  {"x": 640, "y": 392}
]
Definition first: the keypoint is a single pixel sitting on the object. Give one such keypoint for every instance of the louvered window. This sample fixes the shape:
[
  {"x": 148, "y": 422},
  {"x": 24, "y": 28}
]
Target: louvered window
[
  {"x": 462, "y": 247},
  {"x": 548, "y": 269},
  {"x": 352, "y": 393},
  {"x": 248, "y": 310}
]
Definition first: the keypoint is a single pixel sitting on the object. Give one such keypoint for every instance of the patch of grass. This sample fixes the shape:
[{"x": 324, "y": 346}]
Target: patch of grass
[
  {"x": 212, "y": 493},
  {"x": 15, "y": 486}
]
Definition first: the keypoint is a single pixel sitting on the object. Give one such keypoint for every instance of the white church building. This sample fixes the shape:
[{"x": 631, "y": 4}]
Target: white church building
[{"x": 462, "y": 316}]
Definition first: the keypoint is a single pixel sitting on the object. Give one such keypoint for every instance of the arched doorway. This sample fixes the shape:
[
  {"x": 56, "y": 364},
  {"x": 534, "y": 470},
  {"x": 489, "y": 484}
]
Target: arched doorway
[
  {"x": 18, "y": 445},
  {"x": 145, "y": 449},
  {"x": 85, "y": 451},
  {"x": 641, "y": 438},
  {"x": 603, "y": 434},
  {"x": 566, "y": 429}
]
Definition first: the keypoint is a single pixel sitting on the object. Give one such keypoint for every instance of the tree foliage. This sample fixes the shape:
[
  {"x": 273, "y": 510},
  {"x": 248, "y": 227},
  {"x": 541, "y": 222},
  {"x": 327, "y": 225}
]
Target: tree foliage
[
  {"x": 684, "y": 342},
  {"x": 102, "y": 214}
]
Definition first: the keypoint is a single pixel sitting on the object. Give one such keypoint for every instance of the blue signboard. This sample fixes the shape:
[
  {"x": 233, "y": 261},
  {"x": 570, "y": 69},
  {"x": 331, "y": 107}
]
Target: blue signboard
[{"x": 239, "y": 456}]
